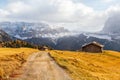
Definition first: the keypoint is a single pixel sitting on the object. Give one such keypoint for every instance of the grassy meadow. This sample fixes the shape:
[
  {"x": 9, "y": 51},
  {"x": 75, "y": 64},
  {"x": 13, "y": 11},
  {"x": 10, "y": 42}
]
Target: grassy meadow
[
  {"x": 12, "y": 59},
  {"x": 89, "y": 66}
]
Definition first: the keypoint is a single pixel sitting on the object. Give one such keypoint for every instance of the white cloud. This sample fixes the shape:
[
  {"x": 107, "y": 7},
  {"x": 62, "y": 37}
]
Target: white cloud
[
  {"x": 107, "y": 1},
  {"x": 18, "y": 7},
  {"x": 62, "y": 12},
  {"x": 54, "y": 10},
  {"x": 113, "y": 9},
  {"x": 3, "y": 13}
]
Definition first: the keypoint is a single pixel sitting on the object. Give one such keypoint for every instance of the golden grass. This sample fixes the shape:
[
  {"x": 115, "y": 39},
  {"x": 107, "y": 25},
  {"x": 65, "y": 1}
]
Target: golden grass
[
  {"x": 12, "y": 59},
  {"x": 89, "y": 66}
]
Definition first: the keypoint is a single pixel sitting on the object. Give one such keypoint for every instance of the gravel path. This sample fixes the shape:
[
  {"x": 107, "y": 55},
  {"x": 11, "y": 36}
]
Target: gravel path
[{"x": 40, "y": 66}]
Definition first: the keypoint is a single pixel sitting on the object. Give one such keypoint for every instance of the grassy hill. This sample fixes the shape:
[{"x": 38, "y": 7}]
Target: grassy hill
[
  {"x": 12, "y": 59},
  {"x": 89, "y": 66}
]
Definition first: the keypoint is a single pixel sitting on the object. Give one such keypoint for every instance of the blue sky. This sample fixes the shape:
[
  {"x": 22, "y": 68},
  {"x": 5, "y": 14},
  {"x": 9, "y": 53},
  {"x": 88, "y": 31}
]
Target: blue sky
[
  {"x": 96, "y": 4},
  {"x": 71, "y": 14},
  {"x": 99, "y": 4},
  {"x": 3, "y": 3}
]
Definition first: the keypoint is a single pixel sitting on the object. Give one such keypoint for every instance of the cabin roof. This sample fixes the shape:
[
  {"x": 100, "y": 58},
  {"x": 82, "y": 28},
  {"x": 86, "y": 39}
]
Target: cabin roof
[
  {"x": 94, "y": 43},
  {"x": 45, "y": 47}
]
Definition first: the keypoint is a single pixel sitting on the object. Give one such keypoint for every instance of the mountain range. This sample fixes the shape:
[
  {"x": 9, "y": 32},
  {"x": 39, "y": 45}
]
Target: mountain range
[
  {"x": 25, "y": 30},
  {"x": 59, "y": 37}
]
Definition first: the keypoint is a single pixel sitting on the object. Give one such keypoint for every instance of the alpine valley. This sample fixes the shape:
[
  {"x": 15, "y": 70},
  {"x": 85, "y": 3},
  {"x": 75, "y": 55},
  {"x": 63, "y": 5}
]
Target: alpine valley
[{"x": 59, "y": 37}]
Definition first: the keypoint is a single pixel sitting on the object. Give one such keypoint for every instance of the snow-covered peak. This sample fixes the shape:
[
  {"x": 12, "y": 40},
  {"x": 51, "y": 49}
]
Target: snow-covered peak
[{"x": 24, "y": 30}]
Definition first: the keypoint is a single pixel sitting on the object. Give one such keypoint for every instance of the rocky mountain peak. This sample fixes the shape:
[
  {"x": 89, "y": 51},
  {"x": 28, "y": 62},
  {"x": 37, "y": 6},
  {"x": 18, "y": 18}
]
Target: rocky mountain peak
[{"x": 112, "y": 25}]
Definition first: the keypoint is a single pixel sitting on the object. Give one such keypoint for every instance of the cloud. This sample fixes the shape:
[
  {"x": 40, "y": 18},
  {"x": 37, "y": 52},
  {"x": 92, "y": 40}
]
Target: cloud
[
  {"x": 65, "y": 13},
  {"x": 107, "y": 1},
  {"x": 49, "y": 10},
  {"x": 3, "y": 13},
  {"x": 113, "y": 9},
  {"x": 18, "y": 7}
]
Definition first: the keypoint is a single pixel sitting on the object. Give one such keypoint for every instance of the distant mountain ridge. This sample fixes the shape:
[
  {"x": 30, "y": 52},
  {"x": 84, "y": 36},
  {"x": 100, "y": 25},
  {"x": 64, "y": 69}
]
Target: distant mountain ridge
[
  {"x": 25, "y": 30},
  {"x": 58, "y": 38},
  {"x": 75, "y": 42}
]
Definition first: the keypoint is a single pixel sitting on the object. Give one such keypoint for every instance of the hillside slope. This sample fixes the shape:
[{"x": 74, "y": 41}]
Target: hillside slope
[
  {"x": 89, "y": 66},
  {"x": 4, "y": 36}
]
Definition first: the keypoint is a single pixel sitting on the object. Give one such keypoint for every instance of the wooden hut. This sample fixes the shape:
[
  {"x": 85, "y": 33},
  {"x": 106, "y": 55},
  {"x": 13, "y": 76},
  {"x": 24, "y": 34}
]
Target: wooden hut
[
  {"x": 94, "y": 47},
  {"x": 44, "y": 48}
]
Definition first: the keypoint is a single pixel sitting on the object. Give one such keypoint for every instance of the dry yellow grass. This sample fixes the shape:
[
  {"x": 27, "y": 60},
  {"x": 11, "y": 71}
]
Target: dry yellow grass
[
  {"x": 12, "y": 59},
  {"x": 89, "y": 66}
]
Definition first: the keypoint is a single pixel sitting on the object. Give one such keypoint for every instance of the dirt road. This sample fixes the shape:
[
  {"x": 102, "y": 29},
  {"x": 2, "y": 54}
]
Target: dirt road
[{"x": 40, "y": 66}]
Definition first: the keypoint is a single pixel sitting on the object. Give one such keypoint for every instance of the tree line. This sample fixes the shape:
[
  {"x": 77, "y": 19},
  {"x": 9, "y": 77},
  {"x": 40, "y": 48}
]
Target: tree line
[{"x": 20, "y": 43}]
